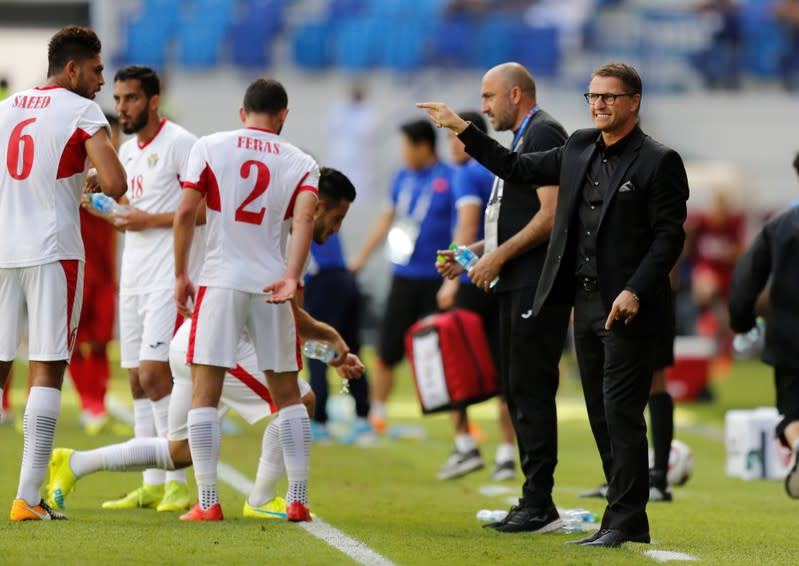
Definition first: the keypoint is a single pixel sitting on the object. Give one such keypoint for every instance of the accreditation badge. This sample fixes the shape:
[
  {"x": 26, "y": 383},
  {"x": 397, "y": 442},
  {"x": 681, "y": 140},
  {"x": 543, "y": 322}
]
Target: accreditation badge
[
  {"x": 492, "y": 218},
  {"x": 402, "y": 240}
]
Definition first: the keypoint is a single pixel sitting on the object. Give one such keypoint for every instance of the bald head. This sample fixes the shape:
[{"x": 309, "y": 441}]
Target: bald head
[
  {"x": 508, "y": 94},
  {"x": 515, "y": 75}
]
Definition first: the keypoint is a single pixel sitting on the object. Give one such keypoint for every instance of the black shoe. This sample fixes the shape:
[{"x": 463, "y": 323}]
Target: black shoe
[
  {"x": 590, "y": 538},
  {"x": 601, "y": 492},
  {"x": 461, "y": 463},
  {"x": 530, "y": 520},
  {"x": 614, "y": 538}
]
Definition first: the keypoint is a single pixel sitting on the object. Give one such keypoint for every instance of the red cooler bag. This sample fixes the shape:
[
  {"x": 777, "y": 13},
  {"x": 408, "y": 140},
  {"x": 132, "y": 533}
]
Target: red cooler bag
[{"x": 451, "y": 362}]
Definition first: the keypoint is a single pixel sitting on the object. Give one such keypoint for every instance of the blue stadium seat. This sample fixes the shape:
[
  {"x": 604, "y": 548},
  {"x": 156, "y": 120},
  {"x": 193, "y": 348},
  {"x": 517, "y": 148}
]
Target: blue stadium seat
[
  {"x": 162, "y": 12},
  {"x": 404, "y": 45},
  {"x": 538, "y": 49},
  {"x": 146, "y": 43},
  {"x": 267, "y": 15},
  {"x": 199, "y": 44},
  {"x": 451, "y": 43},
  {"x": 496, "y": 41},
  {"x": 356, "y": 43},
  {"x": 345, "y": 9},
  {"x": 311, "y": 45},
  {"x": 249, "y": 44}
]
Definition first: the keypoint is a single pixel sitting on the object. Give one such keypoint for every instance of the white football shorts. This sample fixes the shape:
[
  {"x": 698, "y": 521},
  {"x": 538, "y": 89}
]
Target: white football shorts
[
  {"x": 222, "y": 315},
  {"x": 147, "y": 323},
  {"x": 244, "y": 390},
  {"x": 49, "y": 296}
]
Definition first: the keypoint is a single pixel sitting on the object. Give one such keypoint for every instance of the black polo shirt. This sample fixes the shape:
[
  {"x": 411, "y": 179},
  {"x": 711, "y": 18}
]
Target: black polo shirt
[
  {"x": 520, "y": 203},
  {"x": 596, "y": 189}
]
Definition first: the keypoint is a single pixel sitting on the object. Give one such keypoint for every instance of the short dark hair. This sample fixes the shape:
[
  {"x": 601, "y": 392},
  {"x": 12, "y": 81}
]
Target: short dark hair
[
  {"x": 71, "y": 43},
  {"x": 265, "y": 96},
  {"x": 420, "y": 131},
  {"x": 147, "y": 77},
  {"x": 335, "y": 186},
  {"x": 624, "y": 72},
  {"x": 475, "y": 118}
]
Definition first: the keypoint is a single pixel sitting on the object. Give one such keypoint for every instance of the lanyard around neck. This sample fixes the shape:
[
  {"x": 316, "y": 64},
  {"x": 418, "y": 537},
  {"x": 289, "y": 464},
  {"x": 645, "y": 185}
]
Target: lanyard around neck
[{"x": 522, "y": 127}]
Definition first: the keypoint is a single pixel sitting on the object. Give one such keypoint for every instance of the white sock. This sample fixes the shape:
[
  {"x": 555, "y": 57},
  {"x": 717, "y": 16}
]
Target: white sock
[
  {"x": 144, "y": 427},
  {"x": 295, "y": 438},
  {"x": 41, "y": 416},
  {"x": 378, "y": 409},
  {"x": 133, "y": 455},
  {"x": 464, "y": 443},
  {"x": 161, "y": 418},
  {"x": 204, "y": 444},
  {"x": 506, "y": 453},
  {"x": 271, "y": 468}
]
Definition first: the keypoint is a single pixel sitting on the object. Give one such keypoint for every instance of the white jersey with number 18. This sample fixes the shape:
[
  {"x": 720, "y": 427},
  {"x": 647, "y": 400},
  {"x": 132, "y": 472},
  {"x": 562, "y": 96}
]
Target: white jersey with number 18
[
  {"x": 250, "y": 178},
  {"x": 155, "y": 171},
  {"x": 42, "y": 158}
]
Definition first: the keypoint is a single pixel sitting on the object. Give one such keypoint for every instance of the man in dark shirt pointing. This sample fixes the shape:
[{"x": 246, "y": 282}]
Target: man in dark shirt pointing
[{"x": 618, "y": 232}]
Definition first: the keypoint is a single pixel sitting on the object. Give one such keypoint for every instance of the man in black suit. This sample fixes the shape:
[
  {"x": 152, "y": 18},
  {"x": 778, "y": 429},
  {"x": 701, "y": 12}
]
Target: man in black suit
[
  {"x": 774, "y": 255},
  {"x": 518, "y": 220},
  {"x": 618, "y": 231}
]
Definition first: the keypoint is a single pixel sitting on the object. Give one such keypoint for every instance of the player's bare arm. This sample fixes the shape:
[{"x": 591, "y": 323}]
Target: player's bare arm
[
  {"x": 183, "y": 233},
  {"x": 110, "y": 172},
  {"x": 535, "y": 233},
  {"x": 376, "y": 236},
  {"x": 301, "y": 236}
]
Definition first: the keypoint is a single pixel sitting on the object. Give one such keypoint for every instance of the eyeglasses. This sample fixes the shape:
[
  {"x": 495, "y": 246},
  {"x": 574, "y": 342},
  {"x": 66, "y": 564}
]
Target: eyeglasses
[{"x": 608, "y": 98}]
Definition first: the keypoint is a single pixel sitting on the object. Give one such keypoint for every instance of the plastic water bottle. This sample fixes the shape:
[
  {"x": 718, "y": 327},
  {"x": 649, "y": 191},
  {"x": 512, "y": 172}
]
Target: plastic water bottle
[
  {"x": 105, "y": 204},
  {"x": 577, "y": 520},
  {"x": 745, "y": 340},
  {"x": 467, "y": 258},
  {"x": 491, "y": 515},
  {"x": 318, "y": 351}
]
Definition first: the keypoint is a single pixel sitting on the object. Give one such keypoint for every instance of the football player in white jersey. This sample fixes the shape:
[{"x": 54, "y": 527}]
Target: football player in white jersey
[
  {"x": 245, "y": 390},
  {"x": 155, "y": 162},
  {"x": 252, "y": 180},
  {"x": 46, "y": 134}
]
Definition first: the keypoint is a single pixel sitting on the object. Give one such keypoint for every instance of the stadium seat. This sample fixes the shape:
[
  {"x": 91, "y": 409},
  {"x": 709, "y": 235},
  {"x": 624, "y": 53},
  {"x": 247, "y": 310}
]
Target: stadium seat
[
  {"x": 356, "y": 43},
  {"x": 310, "y": 45},
  {"x": 199, "y": 44},
  {"x": 451, "y": 43},
  {"x": 146, "y": 43},
  {"x": 338, "y": 10},
  {"x": 268, "y": 16},
  {"x": 403, "y": 46},
  {"x": 538, "y": 49},
  {"x": 496, "y": 41},
  {"x": 250, "y": 44}
]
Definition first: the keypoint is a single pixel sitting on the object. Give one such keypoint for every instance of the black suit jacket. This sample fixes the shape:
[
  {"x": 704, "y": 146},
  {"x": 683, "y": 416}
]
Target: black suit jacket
[
  {"x": 640, "y": 233},
  {"x": 774, "y": 254}
]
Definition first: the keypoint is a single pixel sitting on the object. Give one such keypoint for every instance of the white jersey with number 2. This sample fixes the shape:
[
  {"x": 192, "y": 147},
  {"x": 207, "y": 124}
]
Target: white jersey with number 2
[
  {"x": 42, "y": 158},
  {"x": 250, "y": 178}
]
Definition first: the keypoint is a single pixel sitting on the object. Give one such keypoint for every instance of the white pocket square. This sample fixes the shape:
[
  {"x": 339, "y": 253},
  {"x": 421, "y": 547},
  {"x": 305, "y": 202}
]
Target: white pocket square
[{"x": 627, "y": 187}]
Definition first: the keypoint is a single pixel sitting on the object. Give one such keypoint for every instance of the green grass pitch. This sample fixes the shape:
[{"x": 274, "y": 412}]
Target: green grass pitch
[{"x": 388, "y": 498}]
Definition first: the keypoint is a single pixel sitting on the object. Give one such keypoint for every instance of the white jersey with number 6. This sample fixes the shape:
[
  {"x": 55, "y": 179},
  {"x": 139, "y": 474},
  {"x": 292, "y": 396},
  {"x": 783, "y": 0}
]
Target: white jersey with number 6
[
  {"x": 250, "y": 178},
  {"x": 155, "y": 170},
  {"x": 42, "y": 158}
]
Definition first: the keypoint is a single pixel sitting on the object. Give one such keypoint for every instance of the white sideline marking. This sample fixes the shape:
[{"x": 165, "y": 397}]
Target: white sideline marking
[
  {"x": 494, "y": 490},
  {"x": 322, "y": 530},
  {"x": 667, "y": 555}
]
